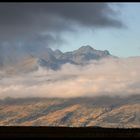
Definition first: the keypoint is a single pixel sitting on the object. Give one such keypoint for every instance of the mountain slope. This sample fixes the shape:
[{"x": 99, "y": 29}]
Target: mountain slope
[{"x": 76, "y": 112}]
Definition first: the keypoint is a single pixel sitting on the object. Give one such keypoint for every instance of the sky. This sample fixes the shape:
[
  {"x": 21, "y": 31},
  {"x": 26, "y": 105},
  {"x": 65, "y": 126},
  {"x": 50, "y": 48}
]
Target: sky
[{"x": 28, "y": 27}]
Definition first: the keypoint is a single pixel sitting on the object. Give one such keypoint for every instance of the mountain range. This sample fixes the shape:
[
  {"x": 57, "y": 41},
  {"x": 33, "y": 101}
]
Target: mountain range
[
  {"x": 52, "y": 59},
  {"x": 81, "y": 56},
  {"x": 103, "y": 111}
]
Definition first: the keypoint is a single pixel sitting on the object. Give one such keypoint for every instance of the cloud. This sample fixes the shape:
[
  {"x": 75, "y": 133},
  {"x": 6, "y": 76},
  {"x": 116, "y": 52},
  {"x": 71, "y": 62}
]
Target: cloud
[
  {"x": 22, "y": 20},
  {"x": 111, "y": 77},
  {"x": 40, "y": 16}
]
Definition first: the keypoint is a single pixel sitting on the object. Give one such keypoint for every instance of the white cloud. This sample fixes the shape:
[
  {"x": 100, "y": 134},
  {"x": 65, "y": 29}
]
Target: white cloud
[{"x": 113, "y": 77}]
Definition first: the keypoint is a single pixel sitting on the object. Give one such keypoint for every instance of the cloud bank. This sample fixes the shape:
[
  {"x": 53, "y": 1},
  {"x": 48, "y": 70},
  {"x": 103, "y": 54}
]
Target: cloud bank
[
  {"x": 25, "y": 19},
  {"x": 111, "y": 77}
]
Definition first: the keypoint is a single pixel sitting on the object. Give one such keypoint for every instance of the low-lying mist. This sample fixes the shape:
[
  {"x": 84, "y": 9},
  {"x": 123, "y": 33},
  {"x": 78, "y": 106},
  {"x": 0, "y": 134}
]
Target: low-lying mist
[{"x": 110, "y": 76}]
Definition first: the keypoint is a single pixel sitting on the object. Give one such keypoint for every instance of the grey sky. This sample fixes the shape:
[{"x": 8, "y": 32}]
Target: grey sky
[{"x": 26, "y": 20}]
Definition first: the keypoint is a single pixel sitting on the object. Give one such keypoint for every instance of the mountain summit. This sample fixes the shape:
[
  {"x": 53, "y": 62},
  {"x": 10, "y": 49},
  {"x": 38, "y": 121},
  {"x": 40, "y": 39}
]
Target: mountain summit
[
  {"x": 86, "y": 48},
  {"x": 80, "y": 56}
]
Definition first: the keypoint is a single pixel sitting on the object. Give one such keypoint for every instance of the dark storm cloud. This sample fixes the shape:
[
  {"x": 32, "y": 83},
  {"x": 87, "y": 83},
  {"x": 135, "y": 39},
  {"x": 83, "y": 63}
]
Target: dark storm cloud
[
  {"x": 22, "y": 20},
  {"x": 97, "y": 15}
]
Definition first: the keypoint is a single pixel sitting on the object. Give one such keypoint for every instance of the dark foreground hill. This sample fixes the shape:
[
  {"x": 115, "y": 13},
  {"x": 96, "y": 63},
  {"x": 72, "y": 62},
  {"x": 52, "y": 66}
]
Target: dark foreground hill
[{"x": 67, "y": 132}]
